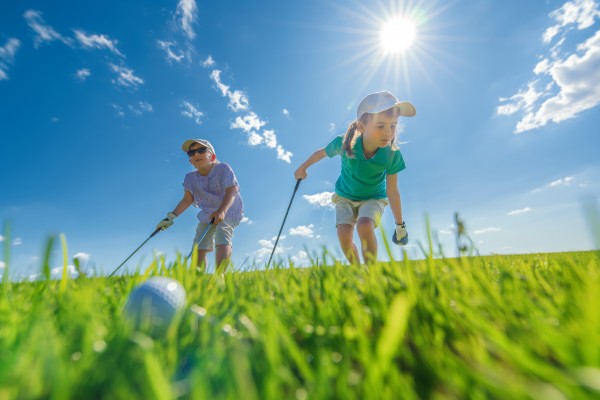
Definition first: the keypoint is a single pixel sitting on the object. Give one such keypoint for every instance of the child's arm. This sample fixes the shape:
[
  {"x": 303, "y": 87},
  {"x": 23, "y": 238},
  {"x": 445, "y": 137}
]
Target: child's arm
[
  {"x": 183, "y": 205},
  {"x": 391, "y": 183},
  {"x": 228, "y": 199},
  {"x": 314, "y": 158}
]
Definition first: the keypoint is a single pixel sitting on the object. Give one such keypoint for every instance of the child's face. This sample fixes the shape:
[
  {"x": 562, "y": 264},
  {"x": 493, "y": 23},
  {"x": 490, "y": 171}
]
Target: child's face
[
  {"x": 200, "y": 159},
  {"x": 381, "y": 129}
]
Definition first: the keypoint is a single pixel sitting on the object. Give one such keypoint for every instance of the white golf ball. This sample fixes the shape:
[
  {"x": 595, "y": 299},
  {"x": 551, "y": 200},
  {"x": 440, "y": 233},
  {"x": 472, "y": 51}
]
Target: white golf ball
[{"x": 153, "y": 305}]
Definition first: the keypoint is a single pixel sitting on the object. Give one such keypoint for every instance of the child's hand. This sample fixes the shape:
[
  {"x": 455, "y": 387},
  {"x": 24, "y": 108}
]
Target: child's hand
[
  {"x": 218, "y": 216},
  {"x": 300, "y": 174},
  {"x": 167, "y": 222},
  {"x": 400, "y": 234}
]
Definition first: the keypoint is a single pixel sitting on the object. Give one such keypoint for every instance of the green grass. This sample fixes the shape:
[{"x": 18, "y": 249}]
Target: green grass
[{"x": 510, "y": 327}]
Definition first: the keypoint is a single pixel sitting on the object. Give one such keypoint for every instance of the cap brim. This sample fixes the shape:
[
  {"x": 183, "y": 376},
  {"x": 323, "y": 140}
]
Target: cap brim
[
  {"x": 186, "y": 145},
  {"x": 406, "y": 109}
]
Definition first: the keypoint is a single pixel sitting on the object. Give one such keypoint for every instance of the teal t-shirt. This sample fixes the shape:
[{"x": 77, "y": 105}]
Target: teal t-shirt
[{"x": 363, "y": 179}]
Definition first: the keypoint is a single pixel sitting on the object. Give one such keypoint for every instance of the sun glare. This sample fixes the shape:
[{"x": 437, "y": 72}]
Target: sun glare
[{"x": 397, "y": 35}]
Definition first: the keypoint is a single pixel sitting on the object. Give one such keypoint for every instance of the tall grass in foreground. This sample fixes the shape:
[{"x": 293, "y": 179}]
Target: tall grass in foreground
[{"x": 512, "y": 327}]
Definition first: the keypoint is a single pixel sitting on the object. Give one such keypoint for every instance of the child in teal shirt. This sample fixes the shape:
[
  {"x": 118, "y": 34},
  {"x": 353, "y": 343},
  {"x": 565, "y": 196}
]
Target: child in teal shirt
[{"x": 368, "y": 180}]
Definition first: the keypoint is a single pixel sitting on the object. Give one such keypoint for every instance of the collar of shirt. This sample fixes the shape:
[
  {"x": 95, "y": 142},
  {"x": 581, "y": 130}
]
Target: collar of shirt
[{"x": 380, "y": 156}]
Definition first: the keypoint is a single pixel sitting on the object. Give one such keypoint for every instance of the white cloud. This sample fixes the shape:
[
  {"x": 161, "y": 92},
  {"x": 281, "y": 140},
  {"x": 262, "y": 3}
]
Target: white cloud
[
  {"x": 320, "y": 199},
  {"x": 246, "y": 220},
  {"x": 286, "y": 112},
  {"x": 125, "y": 77},
  {"x": 331, "y": 128},
  {"x": 83, "y": 74},
  {"x": 284, "y": 154},
  {"x": 44, "y": 33},
  {"x": 17, "y": 242},
  {"x": 572, "y": 75},
  {"x": 83, "y": 257},
  {"x": 270, "y": 139},
  {"x": 119, "y": 110},
  {"x": 209, "y": 62},
  {"x": 248, "y": 123},
  {"x": 56, "y": 273},
  {"x": 190, "y": 111},
  {"x": 520, "y": 211},
  {"x": 166, "y": 46},
  {"x": 2, "y": 265},
  {"x": 186, "y": 15},
  {"x": 302, "y": 230},
  {"x": 7, "y": 56},
  {"x": 254, "y": 139},
  {"x": 94, "y": 41},
  {"x": 486, "y": 230},
  {"x": 238, "y": 101},
  {"x": 301, "y": 258},
  {"x": 1, "y": 238},
  {"x": 140, "y": 108},
  {"x": 559, "y": 182}
]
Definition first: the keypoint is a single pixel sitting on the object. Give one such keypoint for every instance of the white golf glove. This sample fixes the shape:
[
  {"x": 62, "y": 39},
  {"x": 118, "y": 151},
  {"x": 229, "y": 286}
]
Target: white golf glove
[
  {"x": 167, "y": 222},
  {"x": 400, "y": 234}
]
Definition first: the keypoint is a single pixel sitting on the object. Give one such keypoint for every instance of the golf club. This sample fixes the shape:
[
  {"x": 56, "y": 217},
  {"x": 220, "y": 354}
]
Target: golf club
[
  {"x": 139, "y": 247},
  {"x": 201, "y": 237},
  {"x": 283, "y": 223}
]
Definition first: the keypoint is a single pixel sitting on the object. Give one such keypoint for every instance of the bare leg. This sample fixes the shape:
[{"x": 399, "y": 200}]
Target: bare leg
[
  {"x": 366, "y": 232},
  {"x": 345, "y": 232},
  {"x": 202, "y": 259},
  {"x": 222, "y": 257}
]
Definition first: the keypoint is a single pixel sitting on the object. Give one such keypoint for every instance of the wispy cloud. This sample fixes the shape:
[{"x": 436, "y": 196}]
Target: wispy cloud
[
  {"x": 44, "y": 32},
  {"x": 125, "y": 77},
  {"x": 249, "y": 123},
  {"x": 209, "y": 62},
  {"x": 119, "y": 110},
  {"x": 559, "y": 182},
  {"x": 140, "y": 108},
  {"x": 7, "y": 56},
  {"x": 320, "y": 199},
  {"x": 285, "y": 112},
  {"x": 186, "y": 16},
  {"x": 191, "y": 111},
  {"x": 171, "y": 56},
  {"x": 82, "y": 74},
  {"x": 520, "y": 211},
  {"x": 94, "y": 41},
  {"x": 246, "y": 220},
  {"x": 303, "y": 230},
  {"x": 486, "y": 230},
  {"x": 568, "y": 79}
]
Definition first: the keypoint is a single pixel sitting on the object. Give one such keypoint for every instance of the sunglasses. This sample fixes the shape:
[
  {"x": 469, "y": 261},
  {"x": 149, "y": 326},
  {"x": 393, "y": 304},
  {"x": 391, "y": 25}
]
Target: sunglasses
[{"x": 201, "y": 150}]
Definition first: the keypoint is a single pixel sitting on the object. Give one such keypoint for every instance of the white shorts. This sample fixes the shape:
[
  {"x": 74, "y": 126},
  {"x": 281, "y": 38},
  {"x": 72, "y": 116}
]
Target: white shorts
[{"x": 348, "y": 211}]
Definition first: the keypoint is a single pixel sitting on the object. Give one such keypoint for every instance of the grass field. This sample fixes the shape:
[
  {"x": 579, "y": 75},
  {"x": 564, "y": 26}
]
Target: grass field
[{"x": 509, "y": 327}]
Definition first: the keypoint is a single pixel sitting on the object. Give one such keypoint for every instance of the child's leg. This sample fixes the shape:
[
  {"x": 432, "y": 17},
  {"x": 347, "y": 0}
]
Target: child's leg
[
  {"x": 368, "y": 242},
  {"x": 345, "y": 233},
  {"x": 369, "y": 217},
  {"x": 222, "y": 257},
  {"x": 202, "y": 259},
  {"x": 223, "y": 240}
]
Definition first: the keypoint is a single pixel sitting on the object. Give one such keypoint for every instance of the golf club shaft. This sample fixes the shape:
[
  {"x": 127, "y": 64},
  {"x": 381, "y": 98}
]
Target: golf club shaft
[
  {"x": 131, "y": 255},
  {"x": 212, "y": 221},
  {"x": 283, "y": 223}
]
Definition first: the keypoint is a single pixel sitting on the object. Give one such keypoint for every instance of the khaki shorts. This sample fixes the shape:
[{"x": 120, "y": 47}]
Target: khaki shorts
[
  {"x": 220, "y": 234},
  {"x": 348, "y": 211}
]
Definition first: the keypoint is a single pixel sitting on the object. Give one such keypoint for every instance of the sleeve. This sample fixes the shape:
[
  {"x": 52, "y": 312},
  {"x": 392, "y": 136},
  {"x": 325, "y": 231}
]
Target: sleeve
[
  {"x": 396, "y": 163},
  {"x": 187, "y": 185},
  {"x": 228, "y": 178},
  {"x": 334, "y": 147}
]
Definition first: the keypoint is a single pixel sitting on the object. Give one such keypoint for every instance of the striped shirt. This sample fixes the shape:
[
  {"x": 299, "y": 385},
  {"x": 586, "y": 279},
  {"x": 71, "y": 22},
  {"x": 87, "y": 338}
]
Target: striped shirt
[{"x": 209, "y": 192}]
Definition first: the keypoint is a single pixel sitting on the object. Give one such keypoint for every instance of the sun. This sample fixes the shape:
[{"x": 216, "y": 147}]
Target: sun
[{"x": 397, "y": 35}]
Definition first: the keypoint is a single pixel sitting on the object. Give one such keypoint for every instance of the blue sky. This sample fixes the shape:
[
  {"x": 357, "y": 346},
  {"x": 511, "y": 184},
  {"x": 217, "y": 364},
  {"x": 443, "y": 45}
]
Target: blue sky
[{"x": 95, "y": 102}]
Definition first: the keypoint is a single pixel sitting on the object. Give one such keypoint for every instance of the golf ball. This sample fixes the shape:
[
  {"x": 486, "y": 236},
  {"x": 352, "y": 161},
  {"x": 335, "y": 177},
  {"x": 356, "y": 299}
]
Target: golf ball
[{"x": 153, "y": 305}]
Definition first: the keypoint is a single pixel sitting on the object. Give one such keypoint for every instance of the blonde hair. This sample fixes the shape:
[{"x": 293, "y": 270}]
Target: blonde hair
[{"x": 351, "y": 135}]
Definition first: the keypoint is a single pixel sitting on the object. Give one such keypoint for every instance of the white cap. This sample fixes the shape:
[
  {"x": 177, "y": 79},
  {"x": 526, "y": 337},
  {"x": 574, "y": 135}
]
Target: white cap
[
  {"x": 202, "y": 142},
  {"x": 381, "y": 101}
]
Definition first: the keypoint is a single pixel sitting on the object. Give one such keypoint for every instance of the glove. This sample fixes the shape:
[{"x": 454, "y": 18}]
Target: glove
[
  {"x": 400, "y": 235},
  {"x": 167, "y": 222}
]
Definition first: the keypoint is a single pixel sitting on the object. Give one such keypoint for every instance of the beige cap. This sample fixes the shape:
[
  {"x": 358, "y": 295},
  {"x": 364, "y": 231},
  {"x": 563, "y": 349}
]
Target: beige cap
[
  {"x": 381, "y": 101},
  {"x": 186, "y": 145}
]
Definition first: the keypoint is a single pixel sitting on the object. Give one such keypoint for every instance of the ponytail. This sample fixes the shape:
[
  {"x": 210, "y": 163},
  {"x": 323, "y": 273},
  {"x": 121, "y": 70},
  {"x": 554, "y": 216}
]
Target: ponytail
[{"x": 350, "y": 137}]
